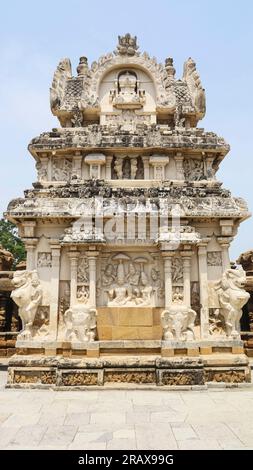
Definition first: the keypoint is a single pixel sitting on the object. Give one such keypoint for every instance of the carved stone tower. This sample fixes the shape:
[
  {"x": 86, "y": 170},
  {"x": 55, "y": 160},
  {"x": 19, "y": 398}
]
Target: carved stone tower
[{"x": 127, "y": 232}]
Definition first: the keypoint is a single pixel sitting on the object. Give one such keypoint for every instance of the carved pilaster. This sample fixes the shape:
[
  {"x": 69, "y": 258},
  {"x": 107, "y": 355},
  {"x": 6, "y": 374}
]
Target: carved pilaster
[
  {"x": 146, "y": 167},
  {"x": 30, "y": 245},
  {"x": 92, "y": 258},
  {"x": 203, "y": 286},
  {"x": 179, "y": 162},
  {"x": 77, "y": 166},
  {"x": 54, "y": 287},
  {"x": 42, "y": 168},
  {"x": 73, "y": 256},
  {"x": 210, "y": 172},
  {"x": 187, "y": 277},
  {"x": 225, "y": 244},
  {"x": 108, "y": 168},
  {"x": 168, "y": 278}
]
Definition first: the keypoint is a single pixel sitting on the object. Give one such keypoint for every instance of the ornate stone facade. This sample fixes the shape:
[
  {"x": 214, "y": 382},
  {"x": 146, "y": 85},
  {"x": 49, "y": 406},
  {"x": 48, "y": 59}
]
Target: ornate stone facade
[{"x": 127, "y": 219}]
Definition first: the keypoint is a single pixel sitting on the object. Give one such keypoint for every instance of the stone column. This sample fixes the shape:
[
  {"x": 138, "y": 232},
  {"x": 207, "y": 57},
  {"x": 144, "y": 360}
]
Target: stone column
[
  {"x": 187, "y": 277},
  {"x": 77, "y": 165},
  {"x": 73, "y": 256},
  {"x": 92, "y": 255},
  {"x": 179, "y": 160},
  {"x": 30, "y": 245},
  {"x": 225, "y": 244},
  {"x": 146, "y": 167},
  {"x": 167, "y": 279},
  {"x": 54, "y": 287},
  {"x": 203, "y": 287},
  {"x": 108, "y": 168}
]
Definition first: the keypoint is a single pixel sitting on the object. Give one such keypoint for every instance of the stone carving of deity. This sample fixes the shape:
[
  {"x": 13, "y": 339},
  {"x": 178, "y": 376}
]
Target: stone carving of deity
[
  {"x": 118, "y": 168},
  {"x": 82, "y": 294},
  {"x": 83, "y": 273},
  {"x": 119, "y": 295},
  {"x": 177, "y": 270},
  {"x": 44, "y": 260},
  {"x": 194, "y": 169},
  {"x": 126, "y": 168},
  {"x": 128, "y": 289},
  {"x": 108, "y": 276},
  {"x": 61, "y": 170},
  {"x": 133, "y": 276},
  {"x": 42, "y": 171},
  {"x": 146, "y": 290},
  {"x": 156, "y": 277}
]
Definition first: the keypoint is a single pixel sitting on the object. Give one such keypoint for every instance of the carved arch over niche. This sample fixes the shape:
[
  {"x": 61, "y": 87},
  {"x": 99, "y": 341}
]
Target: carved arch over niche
[{"x": 148, "y": 65}]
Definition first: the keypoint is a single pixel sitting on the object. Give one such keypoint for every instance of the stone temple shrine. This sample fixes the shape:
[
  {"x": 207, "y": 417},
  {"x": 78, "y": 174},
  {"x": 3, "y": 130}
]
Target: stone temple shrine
[{"x": 127, "y": 231}]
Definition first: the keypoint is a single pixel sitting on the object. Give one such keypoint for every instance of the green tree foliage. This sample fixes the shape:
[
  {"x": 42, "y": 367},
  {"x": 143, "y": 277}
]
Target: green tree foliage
[{"x": 10, "y": 240}]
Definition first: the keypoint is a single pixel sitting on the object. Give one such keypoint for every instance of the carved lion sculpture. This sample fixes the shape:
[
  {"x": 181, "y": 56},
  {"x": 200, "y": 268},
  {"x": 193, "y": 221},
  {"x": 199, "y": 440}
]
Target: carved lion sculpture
[
  {"x": 27, "y": 294},
  {"x": 178, "y": 321},
  {"x": 232, "y": 297},
  {"x": 80, "y": 323}
]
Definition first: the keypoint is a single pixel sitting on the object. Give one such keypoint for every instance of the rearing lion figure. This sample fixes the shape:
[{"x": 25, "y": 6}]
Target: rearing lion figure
[
  {"x": 27, "y": 294},
  {"x": 232, "y": 297}
]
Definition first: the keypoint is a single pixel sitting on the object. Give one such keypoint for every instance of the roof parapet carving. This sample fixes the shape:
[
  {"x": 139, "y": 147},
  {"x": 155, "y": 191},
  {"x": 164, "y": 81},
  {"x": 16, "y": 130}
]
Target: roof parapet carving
[
  {"x": 57, "y": 92},
  {"x": 197, "y": 92},
  {"x": 127, "y": 45},
  {"x": 178, "y": 98}
]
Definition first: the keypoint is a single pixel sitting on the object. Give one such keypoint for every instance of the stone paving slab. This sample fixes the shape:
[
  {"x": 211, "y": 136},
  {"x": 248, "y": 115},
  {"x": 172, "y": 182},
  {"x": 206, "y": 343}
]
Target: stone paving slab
[{"x": 126, "y": 419}]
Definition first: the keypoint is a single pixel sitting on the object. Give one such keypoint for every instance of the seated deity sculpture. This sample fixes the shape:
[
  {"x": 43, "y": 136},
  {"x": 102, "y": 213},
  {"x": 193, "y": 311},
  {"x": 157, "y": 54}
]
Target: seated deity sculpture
[
  {"x": 126, "y": 93},
  {"x": 132, "y": 289}
]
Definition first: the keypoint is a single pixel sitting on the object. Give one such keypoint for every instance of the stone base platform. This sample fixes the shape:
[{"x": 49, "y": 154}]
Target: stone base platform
[
  {"x": 37, "y": 371},
  {"x": 247, "y": 338},
  {"x": 129, "y": 347},
  {"x": 7, "y": 343}
]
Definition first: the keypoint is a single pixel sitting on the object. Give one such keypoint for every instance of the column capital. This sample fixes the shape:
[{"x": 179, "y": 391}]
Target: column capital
[
  {"x": 30, "y": 242},
  {"x": 55, "y": 245},
  {"x": 92, "y": 254},
  {"x": 73, "y": 253},
  {"x": 186, "y": 254},
  {"x": 78, "y": 153},
  {"x": 168, "y": 254},
  {"x": 224, "y": 241},
  {"x": 179, "y": 156}
]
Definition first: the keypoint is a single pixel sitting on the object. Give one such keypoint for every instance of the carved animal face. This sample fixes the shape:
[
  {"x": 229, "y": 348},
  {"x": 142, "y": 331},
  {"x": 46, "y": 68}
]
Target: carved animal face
[
  {"x": 20, "y": 278},
  {"x": 235, "y": 278}
]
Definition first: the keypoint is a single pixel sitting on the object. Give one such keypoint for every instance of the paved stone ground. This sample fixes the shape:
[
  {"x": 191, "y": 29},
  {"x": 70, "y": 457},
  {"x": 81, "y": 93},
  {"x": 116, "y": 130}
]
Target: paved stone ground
[{"x": 126, "y": 419}]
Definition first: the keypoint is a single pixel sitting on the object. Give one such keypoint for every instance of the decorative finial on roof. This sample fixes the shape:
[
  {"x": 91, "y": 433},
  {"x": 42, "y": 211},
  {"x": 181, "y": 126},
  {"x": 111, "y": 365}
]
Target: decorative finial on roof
[
  {"x": 169, "y": 67},
  {"x": 82, "y": 67},
  {"x": 127, "y": 45}
]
